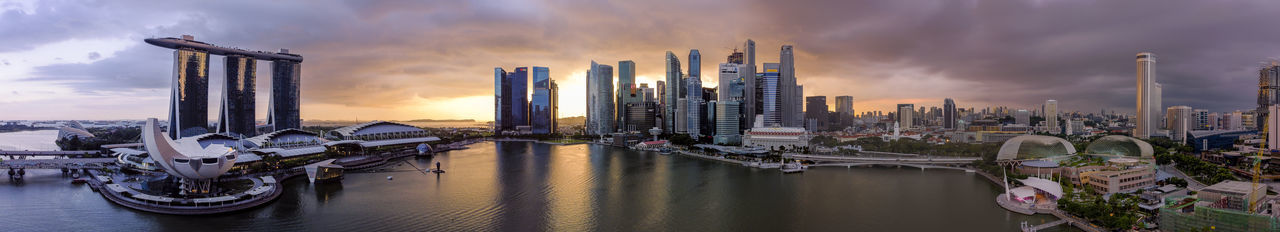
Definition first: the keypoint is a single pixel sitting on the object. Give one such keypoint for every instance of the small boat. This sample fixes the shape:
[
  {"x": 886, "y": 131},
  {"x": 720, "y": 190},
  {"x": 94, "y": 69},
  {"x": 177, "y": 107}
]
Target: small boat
[
  {"x": 792, "y": 168},
  {"x": 770, "y": 165},
  {"x": 79, "y": 181},
  {"x": 388, "y": 177}
]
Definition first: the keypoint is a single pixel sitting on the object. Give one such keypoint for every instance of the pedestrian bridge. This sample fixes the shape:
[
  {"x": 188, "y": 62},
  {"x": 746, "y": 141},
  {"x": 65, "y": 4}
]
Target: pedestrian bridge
[
  {"x": 894, "y": 160},
  {"x": 901, "y": 164}
]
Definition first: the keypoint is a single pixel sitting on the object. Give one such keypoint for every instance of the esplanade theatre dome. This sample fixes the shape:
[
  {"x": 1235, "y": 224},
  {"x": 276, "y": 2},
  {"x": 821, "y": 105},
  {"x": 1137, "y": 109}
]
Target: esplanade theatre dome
[
  {"x": 1029, "y": 147},
  {"x": 1119, "y": 146}
]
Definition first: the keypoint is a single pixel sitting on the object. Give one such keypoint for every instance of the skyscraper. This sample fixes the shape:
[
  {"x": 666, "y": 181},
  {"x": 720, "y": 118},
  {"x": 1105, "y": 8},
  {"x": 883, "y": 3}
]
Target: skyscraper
[
  {"x": 750, "y": 102},
  {"x": 695, "y": 63},
  {"x": 772, "y": 99},
  {"x": 1202, "y": 119},
  {"x": 1022, "y": 117},
  {"x": 600, "y": 105},
  {"x": 730, "y": 96},
  {"x": 1273, "y": 127},
  {"x": 237, "y": 112},
  {"x": 500, "y": 101},
  {"x": 1180, "y": 122},
  {"x": 286, "y": 80},
  {"x": 844, "y": 106},
  {"x": 189, "y": 103},
  {"x": 1148, "y": 96},
  {"x": 555, "y": 107},
  {"x": 672, "y": 95},
  {"x": 646, "y": 93},
  {"x": 511, "y": 94},
  {"x": 1051, "y": 116},
  {"x": 815, "y": 113},
  {"x": 797, "y": 99},
  {"x": 693, "y": 101},
  {"x": 791, "y": 116},
  {"x": 905, "y": 115},
  {"x": 948, "y": 114},
  {"x": 642, "y": 115},
  {"x": 188, "y": 108},
  {"x": 627, "y": 93},
  {"x": 541, "y": 108},
  {"x": 1268, "y": 84},
  {"x": 735, "y": 57}
]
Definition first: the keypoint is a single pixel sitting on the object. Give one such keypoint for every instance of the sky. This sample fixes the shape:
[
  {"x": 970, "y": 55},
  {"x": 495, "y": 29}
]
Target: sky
[{"x": 401, "y": 60}]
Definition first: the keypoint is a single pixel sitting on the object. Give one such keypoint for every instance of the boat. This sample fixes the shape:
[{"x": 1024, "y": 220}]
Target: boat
[
  {"x": 770, "y": 165},
  {"x": 388, "y": 177},
  {"x": 792, "y": 168},
  {"x": 79, "y": 181}
]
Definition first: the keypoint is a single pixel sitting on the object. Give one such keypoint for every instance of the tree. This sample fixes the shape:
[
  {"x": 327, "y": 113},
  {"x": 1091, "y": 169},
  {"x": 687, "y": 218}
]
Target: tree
[{"x": 682, "y": 139}]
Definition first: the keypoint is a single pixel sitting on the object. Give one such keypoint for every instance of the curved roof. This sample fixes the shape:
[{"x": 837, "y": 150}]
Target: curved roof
[
  {"x": 374, "y": 127},
  {"x": 186, "y": 158},
  {"x": 68, "y": 131},
  {"x": 1048, "y": 186},
  {"x": 1034, "y": 147},
  {"x": 177, "y": 43},
  {"x": 1120, "y": 146},
  {"x": 263, "y": 138}
]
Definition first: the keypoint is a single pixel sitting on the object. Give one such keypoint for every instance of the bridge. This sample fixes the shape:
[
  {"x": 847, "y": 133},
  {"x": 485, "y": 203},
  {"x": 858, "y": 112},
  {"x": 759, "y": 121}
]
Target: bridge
[
  {"x": 1027, "y": 227},
  {"x": 858, "y": 159},
  {"x": 12, "y": 154},
  {"x": 856, "y": 164},
  {"x": 57, "y": 163}
]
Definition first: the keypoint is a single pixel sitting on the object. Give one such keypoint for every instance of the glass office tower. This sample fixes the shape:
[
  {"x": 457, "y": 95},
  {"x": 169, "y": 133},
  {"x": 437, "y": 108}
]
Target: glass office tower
[
  {"x": 189, "y": 103},
  {"x": 286, "y": 79},
  {"x": 540, "y": 113},
  {"x": 237, "y": 112},
  {"x": 771, "y": 95}
]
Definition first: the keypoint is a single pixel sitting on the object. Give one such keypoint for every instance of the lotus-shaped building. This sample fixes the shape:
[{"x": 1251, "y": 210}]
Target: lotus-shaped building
[{"x": 195, "y": 165}]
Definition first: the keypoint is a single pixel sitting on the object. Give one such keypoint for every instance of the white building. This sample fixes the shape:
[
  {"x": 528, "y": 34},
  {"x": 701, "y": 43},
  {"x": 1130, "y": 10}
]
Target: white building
[
  {"x": 776, "y": 137},
  {"x": 1179, "y": 122},
  {"x": 1148, "y": 107}
]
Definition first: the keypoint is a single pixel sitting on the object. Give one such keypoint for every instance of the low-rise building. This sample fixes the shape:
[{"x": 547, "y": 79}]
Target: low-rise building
[
  {"x": 776, "y": 137},
  {"x": 1220, "y": 207},
  {"x": 1234, "y": 195},
  {"x": 1122, "y": 175}
]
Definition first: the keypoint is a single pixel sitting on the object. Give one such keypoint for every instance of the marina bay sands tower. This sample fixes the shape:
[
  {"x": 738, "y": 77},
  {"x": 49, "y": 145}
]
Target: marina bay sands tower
[{"x": 188, "y": 106}]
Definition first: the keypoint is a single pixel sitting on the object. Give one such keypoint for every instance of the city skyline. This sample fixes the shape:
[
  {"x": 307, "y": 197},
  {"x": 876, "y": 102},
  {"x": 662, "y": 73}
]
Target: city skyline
[{"x": 93, "y": 68}]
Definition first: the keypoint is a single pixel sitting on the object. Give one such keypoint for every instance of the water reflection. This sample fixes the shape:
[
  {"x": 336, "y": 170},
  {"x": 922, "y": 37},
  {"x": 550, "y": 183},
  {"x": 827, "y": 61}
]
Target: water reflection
[{"x": 516, "y": 186}]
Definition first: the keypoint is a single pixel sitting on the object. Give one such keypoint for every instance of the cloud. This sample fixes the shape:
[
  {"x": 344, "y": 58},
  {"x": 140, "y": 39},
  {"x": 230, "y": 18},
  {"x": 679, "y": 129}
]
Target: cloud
[{"x": 390, "y": 55}]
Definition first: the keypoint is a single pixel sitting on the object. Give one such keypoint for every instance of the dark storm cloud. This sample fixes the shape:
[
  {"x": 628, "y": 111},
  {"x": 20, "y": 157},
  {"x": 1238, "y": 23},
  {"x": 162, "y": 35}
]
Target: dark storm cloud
[
  {"x": 380, "y": 53},
  {"x": 1079, "y": 52}
]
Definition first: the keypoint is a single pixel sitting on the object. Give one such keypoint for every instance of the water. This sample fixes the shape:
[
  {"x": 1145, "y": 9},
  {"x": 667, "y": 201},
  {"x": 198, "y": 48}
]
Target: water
[
  {"x": 40, "y": 140},
  {"x": 518, "y": 186}
]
